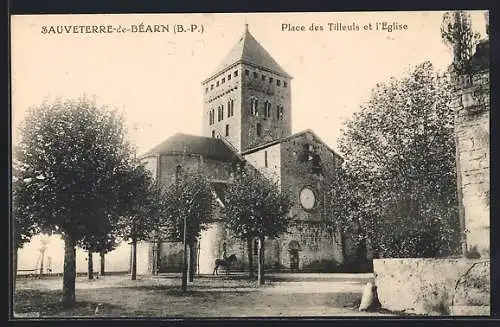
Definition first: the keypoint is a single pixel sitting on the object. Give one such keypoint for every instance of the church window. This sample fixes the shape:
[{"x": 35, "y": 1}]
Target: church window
[
  {"x": 178, "y": 172},
  {"x": 279, "y": 112},
  {"x": 227, "y": 129},
  {"x": 213, "y": 133},
  {"x": 255, "y": 75},
  {"x": 232, "y": 107},
  {"x": 265, "y": 159},
  {"x": 223, "y": 80},
  {"x": 222, "y": 112},
  {"x": 256, "y": 246},
  {"x": 271, "y": 79},
  {"x": 254, "y": 103},
  {"x": 284, "y": 84},
  {"x": 213, "y": 116},
  {"x": 267, "y": 108},
  {"x": 278, "y": 82},
  {"x": 211, "y": 86},
  {"x": 259, "y": 129},
  {"x": 217, "y": 84},
  {"x": 210, "y": 117},
  {"x": 229, "y": 77},
  {"x": 235, "y": 73},
  {"x": 247, "y": 72},
  {"x": 263, "y": 77}
]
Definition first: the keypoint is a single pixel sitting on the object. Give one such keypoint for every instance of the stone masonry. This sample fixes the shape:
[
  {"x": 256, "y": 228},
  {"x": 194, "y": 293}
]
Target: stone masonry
[{"x": 471, "y": 104}]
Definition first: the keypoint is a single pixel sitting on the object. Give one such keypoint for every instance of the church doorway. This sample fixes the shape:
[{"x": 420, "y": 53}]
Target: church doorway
[{"x": 293, "y": 253}]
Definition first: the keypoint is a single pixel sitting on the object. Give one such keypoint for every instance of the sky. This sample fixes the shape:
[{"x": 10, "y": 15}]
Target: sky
[{"x": 155, "y": 78}]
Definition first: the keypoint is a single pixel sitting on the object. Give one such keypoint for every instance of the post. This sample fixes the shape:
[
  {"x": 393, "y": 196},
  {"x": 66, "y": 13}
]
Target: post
[
  {"x": 134, "y": 260},
  {"x": 184, "y": 257},
  {"x": 198, "y": 258},
  {"x": 261, "y": 261}
]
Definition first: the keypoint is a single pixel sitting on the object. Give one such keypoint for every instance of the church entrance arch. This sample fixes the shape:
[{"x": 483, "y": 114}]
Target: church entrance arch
[{"x": 293, "y": 253}]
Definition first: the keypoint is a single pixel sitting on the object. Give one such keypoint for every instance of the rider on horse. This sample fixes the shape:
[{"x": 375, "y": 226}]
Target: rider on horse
[{"x": 224, "y": 251}]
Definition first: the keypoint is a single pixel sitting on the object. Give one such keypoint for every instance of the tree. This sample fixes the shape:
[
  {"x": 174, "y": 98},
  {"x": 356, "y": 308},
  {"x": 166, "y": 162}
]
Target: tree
[
  {"x": 24, "y": 223},
  {"x": 142, "y": 205},
  {"x": 73, "y": 152},
  {"x": 400, "y": 150},
  {"x": 102, "y": 240},
  {"x": 456, "y": 32},
  {"x": 189, "y": 207},
  {"x": 256, "y": 208}
]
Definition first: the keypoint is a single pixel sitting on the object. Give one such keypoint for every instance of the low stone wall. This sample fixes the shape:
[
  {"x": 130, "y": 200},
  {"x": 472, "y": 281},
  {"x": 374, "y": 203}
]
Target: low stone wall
[{"x": 433, "y": 286}]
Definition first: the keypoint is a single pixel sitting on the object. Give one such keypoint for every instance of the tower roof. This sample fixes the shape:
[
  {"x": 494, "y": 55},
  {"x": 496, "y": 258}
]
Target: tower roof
[{"x": 249, "y": 51}]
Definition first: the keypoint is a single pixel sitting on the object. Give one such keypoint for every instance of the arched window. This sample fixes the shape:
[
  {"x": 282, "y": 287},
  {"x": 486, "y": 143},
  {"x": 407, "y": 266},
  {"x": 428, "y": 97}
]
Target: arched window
[
  {"x": 259, "y": 129},
  {"x": 267, "y": 109},
  {"x": 254, "y": 105},
  {"x": 178, "y": 173},
  {"x": 279, "y": 112}
]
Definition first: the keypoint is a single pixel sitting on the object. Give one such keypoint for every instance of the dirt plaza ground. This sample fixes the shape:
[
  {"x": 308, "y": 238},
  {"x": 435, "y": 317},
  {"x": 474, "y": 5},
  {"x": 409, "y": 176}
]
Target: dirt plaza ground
[{"x": 283, "y": 295}]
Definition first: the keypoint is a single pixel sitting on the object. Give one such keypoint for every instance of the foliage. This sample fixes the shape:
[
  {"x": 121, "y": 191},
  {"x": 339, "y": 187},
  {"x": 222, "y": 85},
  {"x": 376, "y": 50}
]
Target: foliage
[
  {"x": 399, "y": 181},
  {"x": 255, "y": 206},
  {"x": 141, "y": 204},
  {"x": 456, "y": 32},
  {"x": 24, "y": 223},
  {"x": 190, "y": 197},
  {"x": 72, "y": 153}
]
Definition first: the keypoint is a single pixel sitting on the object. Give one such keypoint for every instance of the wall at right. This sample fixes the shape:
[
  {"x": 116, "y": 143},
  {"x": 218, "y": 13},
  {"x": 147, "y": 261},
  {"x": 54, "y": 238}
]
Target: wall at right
[{"x": 471, "y": 104}]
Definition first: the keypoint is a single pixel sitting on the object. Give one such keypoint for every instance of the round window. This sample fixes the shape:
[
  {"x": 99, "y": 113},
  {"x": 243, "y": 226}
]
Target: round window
[{"x": 307, "y": 198}]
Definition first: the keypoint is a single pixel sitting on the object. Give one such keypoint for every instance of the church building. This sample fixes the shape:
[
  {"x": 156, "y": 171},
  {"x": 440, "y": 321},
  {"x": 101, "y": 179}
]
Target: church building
[{"x": 247, "y": 121}]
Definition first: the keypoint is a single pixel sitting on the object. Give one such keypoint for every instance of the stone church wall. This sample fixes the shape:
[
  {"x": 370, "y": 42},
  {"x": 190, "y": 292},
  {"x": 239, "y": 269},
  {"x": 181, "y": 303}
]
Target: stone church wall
[
  {"x": 264, "y": 90},
  {"x": 218, "y": 96},
  {"x": 273, "y": 169},
  {"x": 298, "y": 173},
  {"x": 472, "y": 108}
]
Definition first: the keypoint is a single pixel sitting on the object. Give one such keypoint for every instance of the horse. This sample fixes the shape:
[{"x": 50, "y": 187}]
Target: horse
[{"x": 224, "y": 263}]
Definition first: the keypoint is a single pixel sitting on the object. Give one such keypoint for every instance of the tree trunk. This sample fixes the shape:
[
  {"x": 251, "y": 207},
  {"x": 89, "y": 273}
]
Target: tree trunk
[
  {"x": 133, "y": 269},
  {"x": 90, "y": 266},
  {"x": 102, "y": 270},
  {"x": 192, "y": 263},
  {"x": 261, "y": 261},
  {"x": 250, "y": 257},
  {"x": 14, "y": 268},
  {"x": 184, "y": 259},
  {"x": 69, "y": 275},
  {"x": 343, "y": 250}
]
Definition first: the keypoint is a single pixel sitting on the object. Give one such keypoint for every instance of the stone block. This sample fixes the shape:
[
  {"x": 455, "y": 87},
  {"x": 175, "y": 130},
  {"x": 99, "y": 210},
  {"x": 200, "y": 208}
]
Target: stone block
[
  {"x": 423, "y": 286},
  {"x": 470, "y": 310},
  {"x": 473, "y": 287}
]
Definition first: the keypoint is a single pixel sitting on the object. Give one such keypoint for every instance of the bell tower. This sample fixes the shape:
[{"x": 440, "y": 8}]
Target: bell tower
[{"x": 247, "y": 99}]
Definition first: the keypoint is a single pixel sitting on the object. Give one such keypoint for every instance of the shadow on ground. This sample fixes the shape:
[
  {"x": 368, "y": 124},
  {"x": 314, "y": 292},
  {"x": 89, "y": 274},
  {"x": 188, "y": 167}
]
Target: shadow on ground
[{"x": 206, "y": 297}]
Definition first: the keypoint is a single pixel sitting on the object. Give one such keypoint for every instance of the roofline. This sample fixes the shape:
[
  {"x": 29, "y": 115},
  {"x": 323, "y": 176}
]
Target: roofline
[
  {"x": 266, "y": 145},
  {"x": 192, "y": 154},
  {"x": 240, "y": 61}
]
